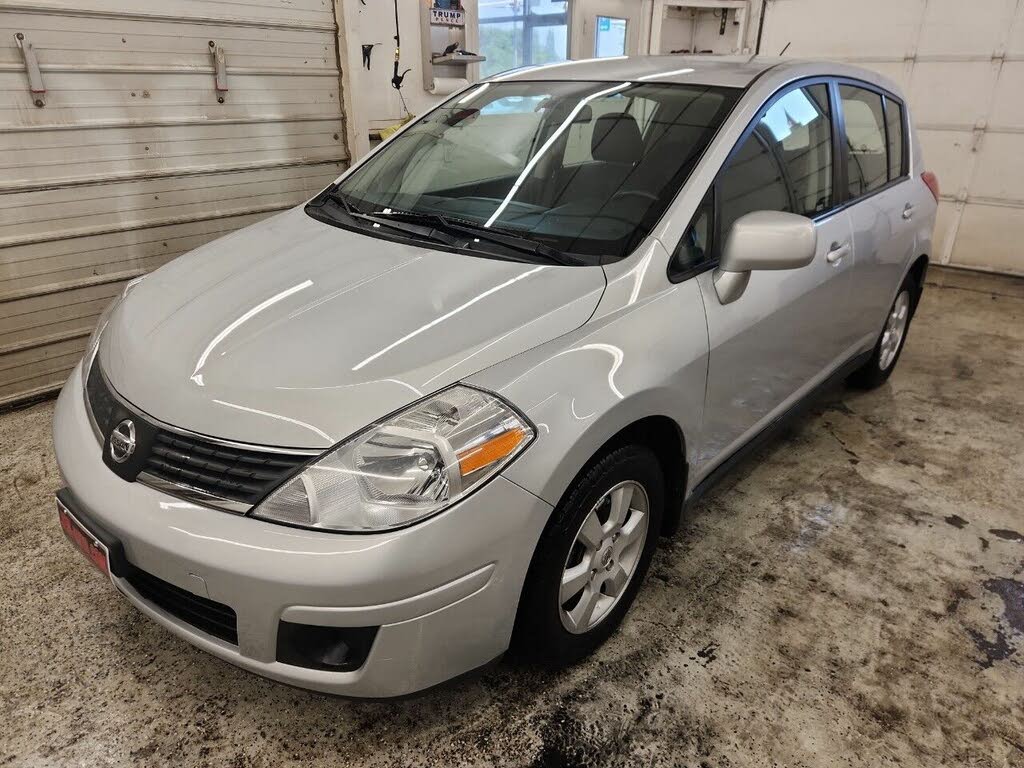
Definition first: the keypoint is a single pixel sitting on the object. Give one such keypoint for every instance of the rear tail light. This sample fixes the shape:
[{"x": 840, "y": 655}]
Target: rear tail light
[{"x": 932, "y": 182}]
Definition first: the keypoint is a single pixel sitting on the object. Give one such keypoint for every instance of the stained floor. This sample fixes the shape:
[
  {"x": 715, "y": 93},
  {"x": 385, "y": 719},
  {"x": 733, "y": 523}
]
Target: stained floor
[{"x": 854, "y": 596}]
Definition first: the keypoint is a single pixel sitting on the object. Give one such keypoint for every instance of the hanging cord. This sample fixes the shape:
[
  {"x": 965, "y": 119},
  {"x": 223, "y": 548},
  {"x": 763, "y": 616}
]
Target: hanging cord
[{"x": 396, "y": 79}]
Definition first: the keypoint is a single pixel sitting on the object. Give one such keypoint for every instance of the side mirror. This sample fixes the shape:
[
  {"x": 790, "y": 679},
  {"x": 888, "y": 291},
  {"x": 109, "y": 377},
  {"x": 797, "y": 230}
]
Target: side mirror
[{"x": 763, "y": 240}]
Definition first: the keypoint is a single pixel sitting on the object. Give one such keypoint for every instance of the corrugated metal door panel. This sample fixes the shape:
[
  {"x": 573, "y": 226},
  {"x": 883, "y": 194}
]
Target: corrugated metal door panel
[
  {"x": 41, "y": 159},
  {"x": 951, "y": 92},
  {"x": 999, "y": 174},
  {"x": 28, "y": 217},
  {"x": 956, "y": 28},
  {"x": 41, "y": 268},
  {"x": 989, "y": 237},
  {"x": 83, "y": 41},
  {"x": 133, "y": 161},
  {"x": 962, "y": 67},
  {"x": 129, "y": 96},
  {"x": 294, "y": 13},
  {"x": 839, "y": 29},
  {"x": 947, "y": 154}
]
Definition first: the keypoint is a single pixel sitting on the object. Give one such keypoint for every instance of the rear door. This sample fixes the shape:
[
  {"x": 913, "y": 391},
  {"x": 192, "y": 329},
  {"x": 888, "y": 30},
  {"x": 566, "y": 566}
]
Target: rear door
[
  {"x": 875, "y": 164},
  {"x": 790, "y": 327}
]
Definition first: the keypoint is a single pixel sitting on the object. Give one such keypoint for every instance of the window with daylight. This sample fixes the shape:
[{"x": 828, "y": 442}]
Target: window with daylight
[{"x": 517, "y": 33}]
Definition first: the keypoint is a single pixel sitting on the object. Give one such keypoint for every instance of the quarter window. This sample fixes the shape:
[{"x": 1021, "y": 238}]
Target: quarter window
[
  {"x": 894, "y": 132},
  {"x": 867, "y": 165}
]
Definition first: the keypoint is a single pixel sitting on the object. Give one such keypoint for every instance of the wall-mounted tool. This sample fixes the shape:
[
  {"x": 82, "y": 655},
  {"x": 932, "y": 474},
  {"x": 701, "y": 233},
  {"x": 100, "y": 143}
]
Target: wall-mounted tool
[
  {"x": 220, "y": 70},
  {"x": 35, "y": 77},
  {"x": 367, "y": 49},
  {"x": 396, "y": 79}
]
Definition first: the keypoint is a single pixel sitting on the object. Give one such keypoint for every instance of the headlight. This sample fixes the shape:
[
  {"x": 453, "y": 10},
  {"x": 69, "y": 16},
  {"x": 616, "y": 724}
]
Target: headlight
[
  {"x": 405, "y": 468},
  {"x": 101, "y": 323}
]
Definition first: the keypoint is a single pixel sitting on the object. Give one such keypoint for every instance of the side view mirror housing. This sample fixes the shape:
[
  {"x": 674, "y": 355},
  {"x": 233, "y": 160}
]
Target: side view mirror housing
[{"x": 763, "y": 240}]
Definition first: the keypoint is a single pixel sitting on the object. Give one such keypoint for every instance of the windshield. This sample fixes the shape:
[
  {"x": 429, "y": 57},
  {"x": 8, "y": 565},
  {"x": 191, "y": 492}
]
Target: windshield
[{"x": 585, "y": 168}]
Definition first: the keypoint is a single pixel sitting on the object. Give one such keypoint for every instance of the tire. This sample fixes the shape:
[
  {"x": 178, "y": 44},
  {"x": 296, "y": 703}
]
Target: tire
[
  {"x": 543, "y": 630},
  {"x": 880, "y": 365}
]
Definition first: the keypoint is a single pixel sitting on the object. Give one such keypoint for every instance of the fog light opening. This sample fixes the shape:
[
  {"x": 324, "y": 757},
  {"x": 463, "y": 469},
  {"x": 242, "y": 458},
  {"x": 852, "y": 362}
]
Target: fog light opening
[{"x": 330, "y": 649}]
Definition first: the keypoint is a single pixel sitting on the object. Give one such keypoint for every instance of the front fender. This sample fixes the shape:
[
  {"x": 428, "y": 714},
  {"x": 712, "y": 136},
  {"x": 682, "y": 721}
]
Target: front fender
[{"x": 646, "y": 359}]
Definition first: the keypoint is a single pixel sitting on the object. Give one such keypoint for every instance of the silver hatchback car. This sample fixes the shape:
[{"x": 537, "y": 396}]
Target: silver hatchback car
[{"x": 449, "y": 406}]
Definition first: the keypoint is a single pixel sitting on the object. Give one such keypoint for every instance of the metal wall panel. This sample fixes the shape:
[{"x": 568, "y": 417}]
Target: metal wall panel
[
  {"x": 962, "y": 67},
  {"x": 133, "y": 160}
]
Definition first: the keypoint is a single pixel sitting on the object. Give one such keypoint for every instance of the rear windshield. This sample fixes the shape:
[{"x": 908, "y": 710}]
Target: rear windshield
[{"x": 583, "y": 167}]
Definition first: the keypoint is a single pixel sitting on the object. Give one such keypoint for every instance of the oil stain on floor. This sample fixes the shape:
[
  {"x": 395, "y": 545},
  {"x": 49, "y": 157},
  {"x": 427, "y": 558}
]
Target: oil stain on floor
[{"x": 853, "y": 596}]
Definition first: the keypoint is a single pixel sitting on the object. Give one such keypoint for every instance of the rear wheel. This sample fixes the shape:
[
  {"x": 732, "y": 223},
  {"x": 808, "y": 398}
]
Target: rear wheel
[
  {"x": 879, "y": 367},
  {"x": 592, "y": 558}
]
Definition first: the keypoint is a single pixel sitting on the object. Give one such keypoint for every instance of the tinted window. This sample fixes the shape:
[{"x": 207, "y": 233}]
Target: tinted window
[
  {"x": 799, "y": 127},
  {"x": 695, "y": 247},
  {"x": 751, "y": 182},
  {"x": 867, "y": 167},
  {"x": 894, "y": 124}
]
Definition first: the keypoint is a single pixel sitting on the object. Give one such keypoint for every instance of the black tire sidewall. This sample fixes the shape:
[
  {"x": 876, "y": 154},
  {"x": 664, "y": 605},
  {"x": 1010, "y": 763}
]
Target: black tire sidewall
[
  {"x": 871, "y": 374},
  {"x": 539, "y": 633}
]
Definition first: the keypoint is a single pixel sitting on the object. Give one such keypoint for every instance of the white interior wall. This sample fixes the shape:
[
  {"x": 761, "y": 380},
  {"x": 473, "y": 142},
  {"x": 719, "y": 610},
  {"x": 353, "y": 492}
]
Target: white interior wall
[{"x": 375, "y": 104}]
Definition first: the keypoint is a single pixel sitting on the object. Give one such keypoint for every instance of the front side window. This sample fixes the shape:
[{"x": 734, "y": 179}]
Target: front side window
[
  {"x": 752, "y": 181},
  {"x": 784, "y": 164},
  {"x": 798, "y": 126},
  {"x": 517, "y": 33},
  {"x": 585, "y": 168},
  {"x": 867, "y": 166}
]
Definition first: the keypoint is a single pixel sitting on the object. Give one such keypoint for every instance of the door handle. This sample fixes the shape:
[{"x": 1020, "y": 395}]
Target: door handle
[
  {"x": 908, "y": 212},
  {"x": 836, "y": 253}
]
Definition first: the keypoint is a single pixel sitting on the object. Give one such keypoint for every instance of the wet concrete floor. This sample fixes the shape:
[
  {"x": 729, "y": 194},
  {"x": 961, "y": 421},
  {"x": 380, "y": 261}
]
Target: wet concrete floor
[{"x": 853, "y": 596}]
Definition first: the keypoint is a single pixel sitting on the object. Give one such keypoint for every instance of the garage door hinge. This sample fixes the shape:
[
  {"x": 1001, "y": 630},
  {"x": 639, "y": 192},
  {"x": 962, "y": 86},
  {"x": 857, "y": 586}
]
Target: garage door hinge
[
  {"x": 220, "y": 70},
  {"x": 978, "y": 135},
  {"x": 35, "y": 77}
]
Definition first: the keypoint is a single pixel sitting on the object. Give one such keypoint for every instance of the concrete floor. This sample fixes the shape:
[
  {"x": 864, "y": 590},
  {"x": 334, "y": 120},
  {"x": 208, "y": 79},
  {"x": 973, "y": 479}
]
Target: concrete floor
[{"x": 853, "y": 596}]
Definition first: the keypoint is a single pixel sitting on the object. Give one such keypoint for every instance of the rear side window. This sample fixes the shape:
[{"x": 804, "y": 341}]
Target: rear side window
[
  {"x": 894, "y": 132},
  {"x": 867, "y": 166}
]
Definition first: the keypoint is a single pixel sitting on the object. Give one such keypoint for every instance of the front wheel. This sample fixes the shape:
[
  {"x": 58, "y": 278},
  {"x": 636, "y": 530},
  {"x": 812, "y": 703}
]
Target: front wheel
[
  {"x": 591, "y": 558},
  {"x": 890, "y": 343}
]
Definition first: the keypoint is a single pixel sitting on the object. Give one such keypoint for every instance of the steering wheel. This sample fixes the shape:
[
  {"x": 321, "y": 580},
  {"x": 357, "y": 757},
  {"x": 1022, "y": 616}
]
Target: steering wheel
[{"x": 635, "y": 193}]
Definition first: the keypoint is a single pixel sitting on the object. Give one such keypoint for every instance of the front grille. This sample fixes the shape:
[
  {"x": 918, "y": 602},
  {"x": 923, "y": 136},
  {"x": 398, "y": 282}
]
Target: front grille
[
  {"x": 206, "y": 615},
  {"x": 202, "y": 469},
  {"x": 228, "y": 472}
]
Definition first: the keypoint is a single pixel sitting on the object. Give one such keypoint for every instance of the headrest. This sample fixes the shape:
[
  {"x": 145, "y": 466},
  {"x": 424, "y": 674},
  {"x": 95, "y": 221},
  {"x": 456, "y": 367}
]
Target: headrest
[
  {"x": 585, "y": 115},
  {"x": 616, "y": 139}
]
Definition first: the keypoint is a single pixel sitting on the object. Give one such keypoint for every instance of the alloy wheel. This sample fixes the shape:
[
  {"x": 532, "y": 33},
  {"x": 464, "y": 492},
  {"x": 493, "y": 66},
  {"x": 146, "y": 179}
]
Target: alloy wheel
[
  {"x": 603, "y": 557},
  {"x": 895, "y": 328}
]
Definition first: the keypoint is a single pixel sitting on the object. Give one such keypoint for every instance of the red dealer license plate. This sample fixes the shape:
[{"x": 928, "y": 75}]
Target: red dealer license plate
[{"x": 87, "y": 544}]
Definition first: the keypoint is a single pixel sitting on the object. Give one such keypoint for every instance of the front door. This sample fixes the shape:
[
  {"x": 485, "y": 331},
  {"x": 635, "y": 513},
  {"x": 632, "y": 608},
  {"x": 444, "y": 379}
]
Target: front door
[
  {"x": 790, "y": 327},
  {"x": 607, "y": 28}
]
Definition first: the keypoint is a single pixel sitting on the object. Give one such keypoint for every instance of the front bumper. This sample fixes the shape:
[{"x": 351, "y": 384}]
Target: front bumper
[{"x": 444, "y": 592}]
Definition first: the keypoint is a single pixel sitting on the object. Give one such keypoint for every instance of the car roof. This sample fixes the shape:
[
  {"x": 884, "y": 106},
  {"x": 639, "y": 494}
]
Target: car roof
[{"x": 728, "y": 71}]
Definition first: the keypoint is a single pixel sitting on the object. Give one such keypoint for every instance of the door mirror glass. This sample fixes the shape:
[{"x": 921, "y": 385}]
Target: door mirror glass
[{"x": 763, "y": 240}]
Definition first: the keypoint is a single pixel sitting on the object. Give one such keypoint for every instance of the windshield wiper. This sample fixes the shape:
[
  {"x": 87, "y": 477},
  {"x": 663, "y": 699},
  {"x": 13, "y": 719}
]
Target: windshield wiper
[
  {"x": 474, "y": 231},
  {"x": 430, "y": 233}
]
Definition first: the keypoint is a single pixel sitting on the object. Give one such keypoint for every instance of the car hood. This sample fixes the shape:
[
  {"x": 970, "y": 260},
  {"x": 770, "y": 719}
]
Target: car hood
[{"x": 295, "y": 333}]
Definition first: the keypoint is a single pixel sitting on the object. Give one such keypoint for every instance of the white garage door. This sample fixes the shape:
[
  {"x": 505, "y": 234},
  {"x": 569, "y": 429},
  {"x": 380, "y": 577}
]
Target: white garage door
[
  {"x": 132, "y": 159},
  {"x": 962, "y": 66}
]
